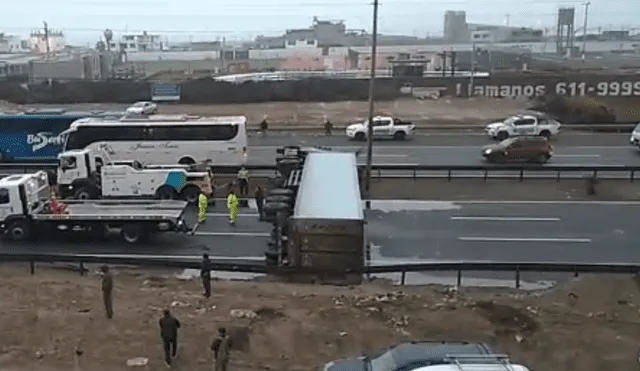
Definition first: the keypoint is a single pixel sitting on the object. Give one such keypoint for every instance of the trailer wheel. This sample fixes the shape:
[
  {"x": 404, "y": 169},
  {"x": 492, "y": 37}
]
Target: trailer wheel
[
  {"x": 165, "y": 193},
  {"x": 83, "y": 194},
  {"x": 191, "y": 193},
  {"x": 133, "y": 233},
  {"x": 18, "y": 231}
]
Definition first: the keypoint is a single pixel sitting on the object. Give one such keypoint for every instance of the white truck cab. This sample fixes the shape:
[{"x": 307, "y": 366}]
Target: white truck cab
[
  {"x": 384, "y": 127},
  {"x": 634, "y": 139},
  {"x": 81, "y": 176},
  {"x": 524, "y": 125},
  {"x": 27, "y": 211}
]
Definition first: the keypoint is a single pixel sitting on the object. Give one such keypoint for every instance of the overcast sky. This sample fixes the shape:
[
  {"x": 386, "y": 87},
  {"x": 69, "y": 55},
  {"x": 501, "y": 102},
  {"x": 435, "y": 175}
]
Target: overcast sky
[{"x": 83, "y": 20}]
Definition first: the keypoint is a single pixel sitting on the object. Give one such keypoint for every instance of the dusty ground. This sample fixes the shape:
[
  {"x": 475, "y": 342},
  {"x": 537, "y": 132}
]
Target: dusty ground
[
  {"x": 438, "y": 111},
  {"x": 591, "y": 323},
  {"x": 498, "y": 190}
]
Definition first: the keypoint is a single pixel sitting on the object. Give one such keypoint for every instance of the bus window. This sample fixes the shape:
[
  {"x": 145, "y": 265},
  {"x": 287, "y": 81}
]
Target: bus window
[{"x": 86, "y": 135}]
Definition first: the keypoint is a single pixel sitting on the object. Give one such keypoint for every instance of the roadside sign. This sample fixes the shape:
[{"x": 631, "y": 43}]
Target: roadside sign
[{"x": 165, "y": 92}]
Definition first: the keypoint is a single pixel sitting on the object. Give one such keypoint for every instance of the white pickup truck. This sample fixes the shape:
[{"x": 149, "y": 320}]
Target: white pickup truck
[
  {"x": 524, "y": 125},
  {"x": 384, "y": 127}
]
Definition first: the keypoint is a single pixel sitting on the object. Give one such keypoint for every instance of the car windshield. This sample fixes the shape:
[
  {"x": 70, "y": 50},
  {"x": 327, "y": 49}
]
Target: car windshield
[
  {"x": 383, "y": 362},
  {"x": 507, "y": 142},
  {"x": 139, "y": 104},
  {"x": 637, "y": 128}
]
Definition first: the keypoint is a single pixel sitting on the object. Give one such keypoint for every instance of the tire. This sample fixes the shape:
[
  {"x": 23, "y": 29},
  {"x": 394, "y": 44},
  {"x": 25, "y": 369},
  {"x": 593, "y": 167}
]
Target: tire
[
  {"x": 165, "y": 193},
  {"x": 502, "y": 136},
  {"x": 191, "y": 193},
  {"x": 18, "y": 231},
  {"x": 400, "y": 135},
  {"x": 360, "y": 137},
  {"x": 132, "y": 233},
  {"x": 186, "y": 161},
  {"x": 545, "y": 134},
  {"x": 83, "y": 194}
]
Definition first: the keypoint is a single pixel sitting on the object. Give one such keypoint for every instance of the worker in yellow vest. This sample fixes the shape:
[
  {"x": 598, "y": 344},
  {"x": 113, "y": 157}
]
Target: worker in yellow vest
[
  {"x": 203, "y": 202},
  {"x": 232, "y": 206}
]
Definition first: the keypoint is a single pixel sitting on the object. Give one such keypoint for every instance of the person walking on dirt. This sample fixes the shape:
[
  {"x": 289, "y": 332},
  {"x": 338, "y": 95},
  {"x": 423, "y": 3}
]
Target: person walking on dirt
[
  {"x": 205, "y": 274},
  {"x": 107, "y": 291},
  {"x": 221, "y": 348},
  {"x": 169, "y": 326}
]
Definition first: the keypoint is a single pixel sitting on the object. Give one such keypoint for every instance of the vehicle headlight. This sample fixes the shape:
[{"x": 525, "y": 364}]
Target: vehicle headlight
[{"x": 487, "y": 151}]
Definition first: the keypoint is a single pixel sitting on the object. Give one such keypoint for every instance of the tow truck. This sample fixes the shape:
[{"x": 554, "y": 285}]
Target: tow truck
[
  {"x": 383, "y": 127},
  {"x": 528, "y": 124},
  {"x": 25, "y": 212},
  {"x": 81, "y": 175}
]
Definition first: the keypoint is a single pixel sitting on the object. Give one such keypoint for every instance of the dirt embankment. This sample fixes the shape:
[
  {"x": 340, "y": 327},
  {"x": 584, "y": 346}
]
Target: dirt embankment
[{"x": 590, "y": 324}]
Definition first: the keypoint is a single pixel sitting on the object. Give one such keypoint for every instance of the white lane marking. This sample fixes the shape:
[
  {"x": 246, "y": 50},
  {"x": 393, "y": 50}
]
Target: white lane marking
[
  {"x": 391, "y": 156},
  {"x": 239, "y": 234},
  {"x": 504, "y": 219},
  {"x": 578, "y": 156},
  {"x": 519, "y": 239},
  {"x": 227, "y": 214}
]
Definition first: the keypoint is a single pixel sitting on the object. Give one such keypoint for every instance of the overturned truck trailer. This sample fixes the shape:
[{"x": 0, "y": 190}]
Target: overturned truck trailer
[{"x": 326, "y": 235}]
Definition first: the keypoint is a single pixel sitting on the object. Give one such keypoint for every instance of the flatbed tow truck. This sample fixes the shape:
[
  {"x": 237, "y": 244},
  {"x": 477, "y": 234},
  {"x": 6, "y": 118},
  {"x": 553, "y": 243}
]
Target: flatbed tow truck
[{"x": 25, "y": 213}]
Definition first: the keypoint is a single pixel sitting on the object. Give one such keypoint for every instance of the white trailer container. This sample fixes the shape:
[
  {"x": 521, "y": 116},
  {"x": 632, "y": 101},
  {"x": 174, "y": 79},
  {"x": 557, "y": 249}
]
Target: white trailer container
[
  {"x": 81, "y": 176},
  {"x": 25, "y": 212}
]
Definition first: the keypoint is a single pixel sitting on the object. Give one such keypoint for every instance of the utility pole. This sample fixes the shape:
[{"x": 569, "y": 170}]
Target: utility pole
[
  {"x": 584, "y": 30},
  {"x": 472, "y": 71},
  {"x": 47, "y": 47},
  {"x": 372, "y": 81}
]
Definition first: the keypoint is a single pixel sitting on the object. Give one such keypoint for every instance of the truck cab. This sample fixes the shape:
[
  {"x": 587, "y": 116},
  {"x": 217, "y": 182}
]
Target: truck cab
[
  {"x": 22, "y": 194},
  {"x": 384, "y": 127},
  {"x": 81, "y": 175}
]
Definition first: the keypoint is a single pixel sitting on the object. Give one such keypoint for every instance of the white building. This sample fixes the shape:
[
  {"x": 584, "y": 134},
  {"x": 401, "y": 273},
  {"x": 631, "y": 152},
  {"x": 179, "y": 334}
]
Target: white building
[
  {"x": 38, "y": 41},
  {"x": 12, "y": 44},
  {"x": 143, "y": 42}
]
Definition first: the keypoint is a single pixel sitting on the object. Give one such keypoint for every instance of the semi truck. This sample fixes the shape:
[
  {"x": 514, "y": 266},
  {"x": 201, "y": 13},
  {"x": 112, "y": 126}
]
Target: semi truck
[
  {"x": 26, "y": 212},
  {"x": 81, "y": 175}
]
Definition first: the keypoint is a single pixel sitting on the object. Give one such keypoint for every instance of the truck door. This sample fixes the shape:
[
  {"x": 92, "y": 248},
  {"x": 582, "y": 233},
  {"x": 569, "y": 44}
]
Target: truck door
[
  {"x": 382, "y": 128},
  {"x": 525, "y": 126},
  {"x": 6, "y": 208}
]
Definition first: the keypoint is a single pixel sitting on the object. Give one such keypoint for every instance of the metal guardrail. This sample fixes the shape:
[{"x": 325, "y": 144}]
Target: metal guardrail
[
  {"x": 427, "y": 125},
  {"x": 259, "y": 267},
  {"x": 416, "y": 171}
]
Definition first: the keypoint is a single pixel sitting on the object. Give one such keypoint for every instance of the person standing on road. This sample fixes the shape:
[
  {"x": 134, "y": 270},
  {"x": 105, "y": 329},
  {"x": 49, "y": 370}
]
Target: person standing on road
[
  {"x": 169, "y": 326},
  {"x": 203, "y": 202},
  {"x": 205, "y": 274},
  {"x": 107, "y": 291},
  {"x": 328, "y": 128},
  {"x": 259, "y": 195},
  {"x": 264, "y": 126},
  {"x": 232, "y": 206},
  {"x": 243, "y": 180},
  {"x": 221, "y": 348}
]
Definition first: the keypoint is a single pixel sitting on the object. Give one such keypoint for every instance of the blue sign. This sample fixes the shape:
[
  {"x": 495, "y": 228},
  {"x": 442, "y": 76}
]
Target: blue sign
[{"x": 165, "y": 92}]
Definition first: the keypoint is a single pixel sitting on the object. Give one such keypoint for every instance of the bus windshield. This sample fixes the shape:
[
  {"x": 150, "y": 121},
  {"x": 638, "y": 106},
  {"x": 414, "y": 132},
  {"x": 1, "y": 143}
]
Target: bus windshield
[{"x": 164, "y": 143}]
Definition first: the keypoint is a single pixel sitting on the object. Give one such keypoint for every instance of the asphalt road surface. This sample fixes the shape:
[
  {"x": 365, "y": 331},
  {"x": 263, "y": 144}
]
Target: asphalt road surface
[
  {"x": 414, "y": 230},
  {"x": 448, "y": 149}
]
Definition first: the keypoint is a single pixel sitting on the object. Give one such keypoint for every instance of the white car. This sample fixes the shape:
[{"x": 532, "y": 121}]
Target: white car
[
  {"x": 386, "y": 127},
  {"x": 635, "y": 136},
  {"x": 524, "y": 125},
  {"x": 142, "y": 108}
]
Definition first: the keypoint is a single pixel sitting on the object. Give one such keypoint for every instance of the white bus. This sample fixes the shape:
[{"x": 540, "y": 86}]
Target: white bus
[{"x": 163, "y": 140}]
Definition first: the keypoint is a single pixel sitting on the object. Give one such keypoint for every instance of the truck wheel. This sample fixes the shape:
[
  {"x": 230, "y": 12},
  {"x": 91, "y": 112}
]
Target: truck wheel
[
  {"x": 360, "y": 137},
  {"x": 546, "y": 134},
  {"x": 18, "y": 231},
  {"x": 400, "y": 135},
  {"x": 165, "y": 193},
  {"x": 83, "y": 194},
  {"x": 186, "y": 161},
  {"x": 133, "y": 233},
  {"x": 191, "y": 193},
  {"x": 502, "y": 136}
]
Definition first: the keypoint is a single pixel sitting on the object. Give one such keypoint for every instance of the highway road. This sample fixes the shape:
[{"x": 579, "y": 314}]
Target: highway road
[
  {"x": 571, "y": 149},
  {"x": 414, "y": 230}
]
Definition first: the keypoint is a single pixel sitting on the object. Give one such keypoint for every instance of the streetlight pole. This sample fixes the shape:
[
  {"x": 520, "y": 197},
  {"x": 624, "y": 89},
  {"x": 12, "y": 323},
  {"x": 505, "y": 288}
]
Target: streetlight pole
[
  {"x": 372, "y": 80},
  {"x": 584, "y": 29},
  {"x": 472, "y": 70}
]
